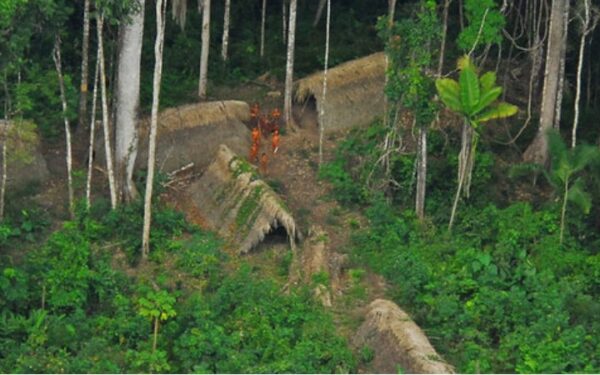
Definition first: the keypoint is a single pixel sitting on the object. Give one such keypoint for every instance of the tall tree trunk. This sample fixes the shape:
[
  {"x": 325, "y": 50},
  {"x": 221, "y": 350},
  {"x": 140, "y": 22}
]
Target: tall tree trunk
[
  {"x": 4, "y": 139},
  {"x": 226, "y": 18},
  {"x": 105, "y": 117},
  {"x": 128, "y": 98},
  {"x": 83, "y": 90},
  {"x": 88, "y": 183},
  {"x": 561, "y": 77},
  {"x": 421, "y": 172},
  {"x": 63, "y": 99},
  {"x": 283, "y": 21},
  {"x": 319, "y": 12},
  {"x": 444, "y": 32},
  {"x": 205, "y": 48},
  {"x": 263, "y": 15},
  {"x": 324, "y": 98},
  {"x": 161, "y": 9},
  {"x": 289, "y": 70},
  {"x": 537, "y": 152},
  {"x": 585, "y": 29}
]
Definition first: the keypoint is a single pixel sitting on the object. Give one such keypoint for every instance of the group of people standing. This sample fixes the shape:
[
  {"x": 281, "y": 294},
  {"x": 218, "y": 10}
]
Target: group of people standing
[{"x": 262, "y": 126}]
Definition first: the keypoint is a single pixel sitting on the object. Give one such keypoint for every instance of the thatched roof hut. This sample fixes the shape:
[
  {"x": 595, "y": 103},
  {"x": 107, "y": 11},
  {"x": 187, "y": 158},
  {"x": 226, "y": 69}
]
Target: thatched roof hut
[
  {"x": 238, "y": 204},
  {"x": 192, "y": 134},
  {"x": 355, "y": 94},
  {"x": 397, "y": 341}
]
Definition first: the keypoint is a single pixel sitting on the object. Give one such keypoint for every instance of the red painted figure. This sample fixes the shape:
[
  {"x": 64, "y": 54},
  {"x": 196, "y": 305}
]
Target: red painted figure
[
  {"x": 275, "y": 141},
  {"x": 254, "y": 113},
  {"x": 256, "y": 135},
  {"x": 265, "y": 126},
  {"x": 254, "y": 153},
  {"x": 264, "y": 160}
]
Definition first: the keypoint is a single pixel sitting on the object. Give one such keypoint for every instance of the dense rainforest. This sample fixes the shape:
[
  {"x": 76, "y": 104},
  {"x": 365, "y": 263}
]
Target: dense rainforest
[{"x": 443, "y": 155}]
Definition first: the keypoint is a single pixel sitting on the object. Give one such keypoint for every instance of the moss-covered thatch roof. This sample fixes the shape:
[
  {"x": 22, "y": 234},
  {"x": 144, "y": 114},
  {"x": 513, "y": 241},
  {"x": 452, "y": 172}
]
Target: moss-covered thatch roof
[
  {"x": 238, "y": 204},
  {"x": 354, "y": 92}
]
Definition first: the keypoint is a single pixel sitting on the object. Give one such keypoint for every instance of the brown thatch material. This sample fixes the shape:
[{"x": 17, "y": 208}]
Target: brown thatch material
[
  {"x": 30, "y": 168},
  {"x": 192, "y": 134},
  {"x": 238, "y": 204},
  {"x": 397, "y": 341},
  {"x": 354, "y": 92}
]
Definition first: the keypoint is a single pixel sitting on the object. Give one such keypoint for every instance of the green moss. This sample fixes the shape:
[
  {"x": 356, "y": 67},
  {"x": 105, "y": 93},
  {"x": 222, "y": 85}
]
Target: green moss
[
  {"x": 249, "y": 208},
  {"x": 239, "y": 166}
]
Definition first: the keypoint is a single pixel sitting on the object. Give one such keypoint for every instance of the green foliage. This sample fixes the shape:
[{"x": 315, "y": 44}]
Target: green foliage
[
  {"x": 472, "y": 96},
  {"x": 494, "y": 291},
  {"x": 248, "y": 326},
  {"x": 484, "y": 24},
  {"x": 409, "y": 45}
]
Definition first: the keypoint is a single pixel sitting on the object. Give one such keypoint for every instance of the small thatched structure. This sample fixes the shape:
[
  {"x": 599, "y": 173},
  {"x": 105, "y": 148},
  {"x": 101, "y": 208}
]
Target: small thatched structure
[
  {"x": 238, "y": 204},
  {"x": 355, "y": 94},
  {"x": 192, "y": 134},
  {"x": 397, "y": 341},
  {"x": 25, "y": 163}
]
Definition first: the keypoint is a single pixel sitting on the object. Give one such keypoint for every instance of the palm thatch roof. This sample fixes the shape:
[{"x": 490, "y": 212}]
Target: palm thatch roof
[
  {"x": 397, "y": 340},
  {"x": 238, "y": 204},
  {"x": 192, "y": 134},
  {"x": 355, "y": 94}
]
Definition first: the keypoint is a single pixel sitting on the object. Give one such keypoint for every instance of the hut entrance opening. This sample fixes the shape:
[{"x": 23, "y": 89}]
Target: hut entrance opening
[
  {"x": 307, "y": 115},
  {"x": 277, "y": 237}
]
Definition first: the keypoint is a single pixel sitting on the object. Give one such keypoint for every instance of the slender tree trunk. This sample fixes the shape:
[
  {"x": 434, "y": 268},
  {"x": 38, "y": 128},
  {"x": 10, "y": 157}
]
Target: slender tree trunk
[
  {"x": 4, "y": 134},
  {"x": 537, "y": 151},
  {"x": 563, "y": 210},
  {"x": 386, "y": 101},
  {"x": 83, "y": 91},
  {"x": 284, "y": 21},
  {"x": 561, "y": 77},
  {"x": 205, "y": 49},
  {"x": 105, "y": 117},
  {"x": 226, "y": 19},
  {"x": 289, "y": 71},
  {"x": 263, "y": 16},
  {"x": 319, "y": 12},
  {"x": 444, "y": 32},
  {"x": 88, "y": 184},
  {"x": 128, "y": 98},
  {"x": 63, "y": 98},
  {"x": 588, "y": 91},
  {"x": 421, "y": 172},
  {"x": 155, "y": 335},
  {"x": 585, "y": 24},
  {"x": 324, "y": 98},
  {"x": 161, "y": 10},
  {"x": 463, "y": 158}
]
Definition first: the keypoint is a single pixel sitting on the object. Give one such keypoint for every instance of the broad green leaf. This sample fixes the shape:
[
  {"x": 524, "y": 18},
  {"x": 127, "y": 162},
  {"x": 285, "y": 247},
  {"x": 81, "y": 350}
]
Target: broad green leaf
[
  {"x": 577, "y": 195},
  {"x": 465, "y": 62},
  {"x": 487, "y": 82},
  {"x": 448, "y": 90},
  {"x": 559, "y": 155},
  {"x": 486, "y": 99},
  {"x": 502, "y": 110},
  {"x": 469, "y": 89},
  {"x": 584, "y": 156}
]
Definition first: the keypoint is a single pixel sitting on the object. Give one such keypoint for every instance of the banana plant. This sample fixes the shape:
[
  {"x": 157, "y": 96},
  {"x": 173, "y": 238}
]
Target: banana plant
[{"x": 475, "y": 99}]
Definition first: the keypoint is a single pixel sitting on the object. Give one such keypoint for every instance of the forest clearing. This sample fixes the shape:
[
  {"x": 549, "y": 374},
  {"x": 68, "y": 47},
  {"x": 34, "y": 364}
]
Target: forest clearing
[{"x": 299, "y": 186}]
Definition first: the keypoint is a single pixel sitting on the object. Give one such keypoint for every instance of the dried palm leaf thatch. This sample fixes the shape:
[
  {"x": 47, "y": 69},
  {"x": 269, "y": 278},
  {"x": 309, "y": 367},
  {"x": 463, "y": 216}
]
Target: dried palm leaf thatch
[
  {"x": 238, "y": 204},
  {"x": 355, "y": 94},
  {"x": 397, "y": 341}
]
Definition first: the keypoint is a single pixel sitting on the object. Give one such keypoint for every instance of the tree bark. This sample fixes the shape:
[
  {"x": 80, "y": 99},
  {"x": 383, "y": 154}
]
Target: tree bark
[
  {"x": 585, "y": 26},
  {"x": 561, "y": 77},
  {"x": 3, "y": 133},
  {"x": 63, "y": 99},
  {"x": 226, "y": 19},
  {"x": 537, "y": 152},
  {"x": 421, "y": 172},
  {"x": 263, "y": 15},
  {"x": 105, "y": 117},
  {"x": 88, "y": 184},
  {"x": 128, "y": 98},
  {"x": 324, "y": 98},
  {"x": 284, "y": 22},
  {"x": 83, "y": 90},
  {"x": 444, "y": 32},
  {"x": 205, "y": 49},
  {"x": 289, "y": 71},
  {"x": 158, "y": 56},
  {"x": 319, "y": 12}
]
